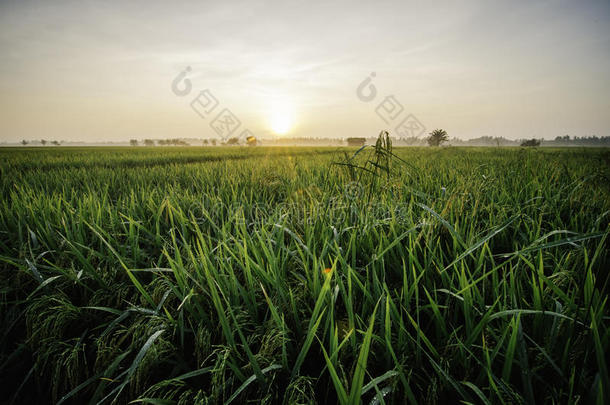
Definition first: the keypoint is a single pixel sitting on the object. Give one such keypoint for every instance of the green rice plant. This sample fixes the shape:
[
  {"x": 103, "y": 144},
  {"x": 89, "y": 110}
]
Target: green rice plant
[{"x": 230, "y": 275}]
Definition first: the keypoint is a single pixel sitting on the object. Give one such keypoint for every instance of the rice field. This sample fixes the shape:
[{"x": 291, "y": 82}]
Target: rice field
[{"x": 304, "y": 275}]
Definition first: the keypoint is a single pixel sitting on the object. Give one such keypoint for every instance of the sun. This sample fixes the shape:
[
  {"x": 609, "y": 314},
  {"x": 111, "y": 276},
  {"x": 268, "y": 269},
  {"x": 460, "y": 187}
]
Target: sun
[
  {"x": 281, "y": 124},
  {"x": 281, "y": 118}
]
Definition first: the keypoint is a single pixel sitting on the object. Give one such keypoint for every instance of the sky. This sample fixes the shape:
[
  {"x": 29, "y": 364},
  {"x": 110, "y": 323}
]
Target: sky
[{"x": 111, "y": 70}]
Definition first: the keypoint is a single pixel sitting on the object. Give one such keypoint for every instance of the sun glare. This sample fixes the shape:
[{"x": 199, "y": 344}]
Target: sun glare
[
  {"x": 281, "y": 119},
  {"x": 281, "y": 124}
]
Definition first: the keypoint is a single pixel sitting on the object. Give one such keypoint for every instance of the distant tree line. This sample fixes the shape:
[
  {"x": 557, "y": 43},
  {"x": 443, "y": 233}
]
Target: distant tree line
[
  {"x": 565, "y": 140},
  {"x": 440, "y": 137},
  {"x": 173, "y": 142},
  {"x": 160, "y": 142},
  {"x": 42, "y": 142},
  {"x": 584, "y": 141},
  {"x": 431, "y": 139},
  {"x": 181, "y": 142}
]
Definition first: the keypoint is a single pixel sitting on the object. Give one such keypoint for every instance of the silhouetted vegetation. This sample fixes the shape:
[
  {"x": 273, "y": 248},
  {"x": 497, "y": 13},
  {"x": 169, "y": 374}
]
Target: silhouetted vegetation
[
  {"x": 437, "y": 137},
  {"x": 531, "y": 142}
]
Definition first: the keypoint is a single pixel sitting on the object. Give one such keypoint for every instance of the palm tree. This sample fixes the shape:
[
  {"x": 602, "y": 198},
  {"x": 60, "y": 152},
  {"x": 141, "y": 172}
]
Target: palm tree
[
  {"x": 24, "y": 142},
  {"x": 437, "y": 137}
]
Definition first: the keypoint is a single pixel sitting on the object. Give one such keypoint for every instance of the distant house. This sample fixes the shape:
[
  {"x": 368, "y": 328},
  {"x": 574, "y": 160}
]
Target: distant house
[{"x": 356, "y": 141}]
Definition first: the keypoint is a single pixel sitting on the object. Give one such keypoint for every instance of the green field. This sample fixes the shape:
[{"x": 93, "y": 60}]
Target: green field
[{"x": 276, "y": 275}]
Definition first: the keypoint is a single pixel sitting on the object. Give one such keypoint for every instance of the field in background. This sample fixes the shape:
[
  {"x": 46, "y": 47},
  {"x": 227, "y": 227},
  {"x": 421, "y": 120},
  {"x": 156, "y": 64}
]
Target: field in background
[{"x": 223, "y": 275}]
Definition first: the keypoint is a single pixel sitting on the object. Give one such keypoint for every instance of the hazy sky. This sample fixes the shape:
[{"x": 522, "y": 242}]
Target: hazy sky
[{"x": 103, "y": 70}]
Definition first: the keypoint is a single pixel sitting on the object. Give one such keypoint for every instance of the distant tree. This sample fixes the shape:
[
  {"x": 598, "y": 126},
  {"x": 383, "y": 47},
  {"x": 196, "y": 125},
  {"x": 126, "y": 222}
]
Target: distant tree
[
  {"x": 149, "y": 142},
  {"x": 530, "y": 142},
  {"x": 356, "y": 141},
  {"x": 56, "y": 143},
  {"x": 213, "y": 141},
  {"x": 233, "y": 141},
  {"x": 24, "y": 142},
  {"x": 133, "y": 142},
  {"x": 43, "y": 142},
  {"x": 251, "y": 140},
  {"x": 205, "y": 142},
  {"x": 437, "y": 137}
]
